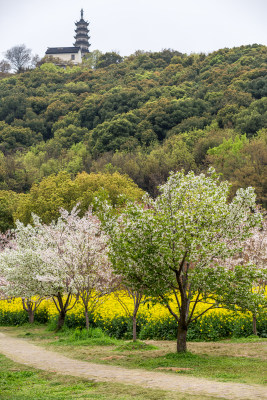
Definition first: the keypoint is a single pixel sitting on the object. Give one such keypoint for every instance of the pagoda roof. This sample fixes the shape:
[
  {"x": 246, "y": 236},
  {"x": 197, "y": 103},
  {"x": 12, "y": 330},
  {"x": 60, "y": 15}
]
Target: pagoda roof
[
  {"x": 82, "y": 22},
  {"x": 62, "y": 50}
]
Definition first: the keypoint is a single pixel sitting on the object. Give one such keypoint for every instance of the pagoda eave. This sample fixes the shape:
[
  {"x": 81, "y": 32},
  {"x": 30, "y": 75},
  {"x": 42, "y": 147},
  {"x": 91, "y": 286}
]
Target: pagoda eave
[
  {"x": 81, "y": 23},
  {"x": 82, "y": 36}
]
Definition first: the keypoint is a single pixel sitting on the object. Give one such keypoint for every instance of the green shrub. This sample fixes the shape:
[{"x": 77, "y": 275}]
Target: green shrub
[
  {"x": 210, "y": 327},
  {"x": 72, "y": 321},
  {"x": 121, "y": 327},
  {"x": 243, "y": 326},
  {"x": 160, "y": 330},
  {"x": 9, "y": 318},
  {"x": 82, "y": 334},
  {"x": 41, "y": 316}
]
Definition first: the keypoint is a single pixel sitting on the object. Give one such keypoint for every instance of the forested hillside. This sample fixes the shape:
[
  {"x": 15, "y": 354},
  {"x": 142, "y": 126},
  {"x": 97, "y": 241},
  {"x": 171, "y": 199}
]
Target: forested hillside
[{"x": 144, "y": 115}]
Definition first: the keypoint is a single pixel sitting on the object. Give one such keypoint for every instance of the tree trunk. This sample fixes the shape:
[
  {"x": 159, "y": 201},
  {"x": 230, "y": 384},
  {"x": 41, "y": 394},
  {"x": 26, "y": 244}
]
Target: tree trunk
[
  {"x": 61, "y": 320},
  {"x": 61, "y": 309},
  {"x": 86, "y": 319},
  {"x": 181, "y": 338},
  {"x": 134, "y": 328},
  {"x": 29, "y": 307},
  {"x": 255, "y": 325},
  {"x": 31, "y": 316}
]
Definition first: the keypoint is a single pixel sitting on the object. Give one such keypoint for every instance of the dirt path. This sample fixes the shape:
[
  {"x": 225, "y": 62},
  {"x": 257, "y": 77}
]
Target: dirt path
[{"x": 26, "y": 353}]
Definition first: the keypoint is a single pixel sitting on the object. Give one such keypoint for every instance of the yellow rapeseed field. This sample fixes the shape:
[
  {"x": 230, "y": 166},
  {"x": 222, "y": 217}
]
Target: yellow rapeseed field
[{"x": 110, "y": 308}]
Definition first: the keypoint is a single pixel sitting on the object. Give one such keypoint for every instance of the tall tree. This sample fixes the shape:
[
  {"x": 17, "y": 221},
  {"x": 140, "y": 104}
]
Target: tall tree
[
  {"x": 19, "y": 57},
  {"x": 168, "y": 247}
]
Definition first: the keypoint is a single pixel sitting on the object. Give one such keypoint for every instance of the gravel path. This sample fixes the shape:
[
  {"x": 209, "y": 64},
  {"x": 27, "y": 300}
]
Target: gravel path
[{"x": 29, "y": 354}]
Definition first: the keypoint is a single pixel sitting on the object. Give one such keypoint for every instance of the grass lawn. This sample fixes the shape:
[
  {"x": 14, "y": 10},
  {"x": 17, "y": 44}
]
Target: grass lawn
[
  {"x": 233, "y": 360},
  {"x": 18, "y": 382}
]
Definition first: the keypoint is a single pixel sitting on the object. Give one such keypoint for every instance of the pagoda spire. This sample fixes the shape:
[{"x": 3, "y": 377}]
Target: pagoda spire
[{"x": 82, "y": 35}]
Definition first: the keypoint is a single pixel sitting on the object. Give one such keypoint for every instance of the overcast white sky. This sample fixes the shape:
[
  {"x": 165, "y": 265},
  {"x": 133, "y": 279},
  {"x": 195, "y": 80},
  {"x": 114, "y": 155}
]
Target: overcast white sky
[{"x": 129, "y": 25}]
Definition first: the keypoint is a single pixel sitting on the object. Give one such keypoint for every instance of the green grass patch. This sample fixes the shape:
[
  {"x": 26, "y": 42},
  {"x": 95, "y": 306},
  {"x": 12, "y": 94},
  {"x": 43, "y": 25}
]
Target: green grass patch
[
  {"x": 20, "y": 383},
  {"x": 223, "y": 368},
  {"x": 249, "y": 339},
  {"x": 138, "y": 345},
  {"x": 85, "y": 342},
  {"x": 67, "y": 336},
  {"x": 84, "y": 337}
]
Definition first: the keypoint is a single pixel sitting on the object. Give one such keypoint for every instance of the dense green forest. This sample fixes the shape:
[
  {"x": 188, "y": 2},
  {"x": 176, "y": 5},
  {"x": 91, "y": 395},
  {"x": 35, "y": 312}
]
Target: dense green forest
[{"x": 142, "y": 115}]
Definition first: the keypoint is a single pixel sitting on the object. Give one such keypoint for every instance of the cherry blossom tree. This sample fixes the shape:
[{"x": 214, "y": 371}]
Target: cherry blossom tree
[
  {"x": 63, "y": 260},
  {"x": 252, "y": 271},
  {"x": 82, "y": 249},
  {"x": 168, "y": 247},
  {"x": 18, "y": 265},
  {"x": 5, "y": 239},
  {"x": 52, "y": 273},
  {"x": 74, "y": 252}
]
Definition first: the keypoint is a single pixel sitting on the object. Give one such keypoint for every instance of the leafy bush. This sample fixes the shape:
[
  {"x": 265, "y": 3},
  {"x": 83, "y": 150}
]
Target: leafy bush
[
  {"x": 81, "y": 334},
  {"x": 20, "y": 317},
  {"x": 165, "y": 329},
  {"x": 8, "y": 318},
  {"x": 118, "y": 327},
  {"x": 210, "y": 327}
]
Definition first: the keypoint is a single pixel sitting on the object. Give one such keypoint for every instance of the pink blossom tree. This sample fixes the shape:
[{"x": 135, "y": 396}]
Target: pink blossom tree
[
  {"x": 65, "y": 260},
  {"x": 4, "y": 243},
  {"x": 82, "y": 247},
  {"x": 74, "y": 252},
  {"x": 252, "y": 271}
]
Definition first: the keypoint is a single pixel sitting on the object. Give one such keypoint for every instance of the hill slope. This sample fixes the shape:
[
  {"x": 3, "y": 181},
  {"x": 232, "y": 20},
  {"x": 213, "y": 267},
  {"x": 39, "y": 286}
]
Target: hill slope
[{"x": 143, "y": 115}]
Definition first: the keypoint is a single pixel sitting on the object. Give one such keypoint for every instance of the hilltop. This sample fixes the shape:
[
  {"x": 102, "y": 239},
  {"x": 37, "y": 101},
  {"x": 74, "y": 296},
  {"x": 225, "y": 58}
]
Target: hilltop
[{"x": 143, "y": 115}]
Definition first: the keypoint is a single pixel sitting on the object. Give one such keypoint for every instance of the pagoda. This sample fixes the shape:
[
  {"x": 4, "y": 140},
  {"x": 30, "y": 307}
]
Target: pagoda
[{"x": 82, "y": 35}]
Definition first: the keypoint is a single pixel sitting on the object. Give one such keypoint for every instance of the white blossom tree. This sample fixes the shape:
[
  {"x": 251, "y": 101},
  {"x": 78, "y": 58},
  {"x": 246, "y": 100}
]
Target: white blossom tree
[
  {"x": 18, "y": 266},
  {"x": 169, "y": 246},
  {"x": 5, "y": 242}
]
